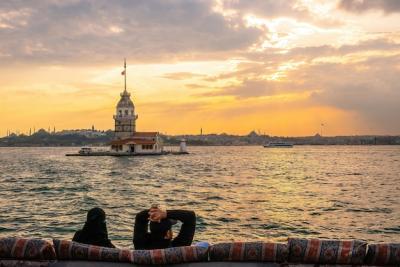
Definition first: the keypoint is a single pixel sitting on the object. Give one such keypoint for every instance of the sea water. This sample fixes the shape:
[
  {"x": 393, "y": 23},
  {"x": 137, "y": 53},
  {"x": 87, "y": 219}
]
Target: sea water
[{"x": 238, "y": 193}]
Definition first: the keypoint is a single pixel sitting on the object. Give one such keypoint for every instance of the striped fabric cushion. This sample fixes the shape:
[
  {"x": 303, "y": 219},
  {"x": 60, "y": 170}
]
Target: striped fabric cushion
[
  {"x": 383, "y": 254},
  {"x": 170, "y": 255},
  {"x": 326, "y": 251},
  {"x": 249, "y": 251},
  {"x": 23, "y": 263},
  {"x": 69, "y": 250},
  {"x": 27, "y": 249}
]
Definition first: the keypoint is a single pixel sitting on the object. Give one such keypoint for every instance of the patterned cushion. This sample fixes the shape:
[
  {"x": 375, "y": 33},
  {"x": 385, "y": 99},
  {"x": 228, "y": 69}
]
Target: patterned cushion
[
  {"x": 383, "y": 254},
  {"x": 326, "y": 251},
  {"x": 69, "y": 250},
  {"x": 170, "y": 255},
  {"x": 23, "y": 263},
  {"x": 27, "y": 249},
  {"x": 249, "y": 251}
]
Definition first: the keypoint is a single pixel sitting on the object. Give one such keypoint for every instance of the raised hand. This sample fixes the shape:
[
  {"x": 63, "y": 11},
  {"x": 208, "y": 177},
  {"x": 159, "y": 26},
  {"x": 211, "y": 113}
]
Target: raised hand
[{"x": 156, "y": 214}]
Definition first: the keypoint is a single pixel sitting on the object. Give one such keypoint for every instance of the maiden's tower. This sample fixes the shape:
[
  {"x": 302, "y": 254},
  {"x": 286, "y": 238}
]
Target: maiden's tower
[{"x": 127, "y": 139}]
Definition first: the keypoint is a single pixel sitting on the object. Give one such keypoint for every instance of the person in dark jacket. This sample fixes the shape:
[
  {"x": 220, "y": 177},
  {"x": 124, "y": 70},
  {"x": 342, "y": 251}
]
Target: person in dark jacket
[
  {"x": 94, "y": 232},
  {"x": 160, "y": 223}
]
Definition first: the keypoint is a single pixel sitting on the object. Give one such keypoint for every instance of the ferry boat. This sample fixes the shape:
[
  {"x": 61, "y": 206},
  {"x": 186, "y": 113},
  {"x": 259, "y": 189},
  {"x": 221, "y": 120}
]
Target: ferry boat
[{"x": 278, "y": 144}]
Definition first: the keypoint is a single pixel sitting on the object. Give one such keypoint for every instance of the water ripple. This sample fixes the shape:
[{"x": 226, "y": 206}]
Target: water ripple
[{"x": 238, "y": 193}]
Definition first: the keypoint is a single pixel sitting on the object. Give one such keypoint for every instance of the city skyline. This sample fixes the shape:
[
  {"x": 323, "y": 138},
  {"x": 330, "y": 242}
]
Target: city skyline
[{"x": 280, "y": 67}]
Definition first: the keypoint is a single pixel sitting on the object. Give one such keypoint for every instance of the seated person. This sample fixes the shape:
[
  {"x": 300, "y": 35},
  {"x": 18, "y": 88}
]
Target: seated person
[
  {"x": 94, "y": 232},
  {"x": 160, "y": 222}
]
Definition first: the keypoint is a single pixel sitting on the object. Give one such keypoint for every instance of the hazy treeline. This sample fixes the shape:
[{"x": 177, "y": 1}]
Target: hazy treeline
[{"x": 102, "y": 138}]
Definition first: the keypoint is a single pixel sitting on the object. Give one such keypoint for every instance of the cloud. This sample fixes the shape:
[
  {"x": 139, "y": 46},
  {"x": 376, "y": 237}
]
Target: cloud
[
  {"x": 181, "y": 75},
  {"x": 269, "y": 62},
  {"x": 359, "y": 6},
  {"x": 143, "y": 30},
  {"x": 11, "y": 19},
  {"x": 266, "y": 8},
  {"x": 369, "y": 88},
  {"x": 101, "y": 31},
  {"x": 300, "y": 11},
  {"x": 195, "y": 86},
  {"x": 360, "y": 78},
  {"x": 246, "y": 89},
  {"x": 273, "y": 58}
]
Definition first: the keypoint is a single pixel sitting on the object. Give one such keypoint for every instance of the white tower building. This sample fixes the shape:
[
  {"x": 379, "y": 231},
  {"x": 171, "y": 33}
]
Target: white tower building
[
  {"x": 125, "y": 117},
  {"x": 127, "y": 140}
]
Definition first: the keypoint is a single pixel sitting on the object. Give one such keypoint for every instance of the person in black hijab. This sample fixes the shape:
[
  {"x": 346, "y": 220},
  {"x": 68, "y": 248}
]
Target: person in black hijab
[
  {"x": 160, "y": 223},
  {"x": 94, "y": 232}
]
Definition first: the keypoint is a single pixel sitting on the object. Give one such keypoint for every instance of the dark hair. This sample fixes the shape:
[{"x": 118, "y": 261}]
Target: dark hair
[
  {"x": 94, "y": 230},
  {"x": 96, "y": 215},
  {"x": 158, "y": 230}
]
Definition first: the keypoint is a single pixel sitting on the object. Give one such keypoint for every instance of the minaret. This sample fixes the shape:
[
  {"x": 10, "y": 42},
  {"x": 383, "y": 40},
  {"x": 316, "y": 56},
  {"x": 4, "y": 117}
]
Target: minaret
[{"x": 125, "y": 117}]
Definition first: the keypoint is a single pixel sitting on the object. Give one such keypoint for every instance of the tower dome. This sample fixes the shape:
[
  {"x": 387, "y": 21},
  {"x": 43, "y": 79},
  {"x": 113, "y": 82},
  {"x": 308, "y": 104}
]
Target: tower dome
[
  {"x": 125, "y": 101},
  {"x": 125, "y": 106}
]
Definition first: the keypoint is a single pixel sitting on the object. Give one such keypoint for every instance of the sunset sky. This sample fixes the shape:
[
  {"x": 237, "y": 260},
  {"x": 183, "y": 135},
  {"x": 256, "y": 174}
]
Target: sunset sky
[{"x": 278, "y": 67}]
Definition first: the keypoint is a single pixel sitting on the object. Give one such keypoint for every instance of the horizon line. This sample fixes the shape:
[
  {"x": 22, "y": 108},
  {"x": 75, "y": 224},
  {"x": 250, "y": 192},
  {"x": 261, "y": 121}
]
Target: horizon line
[{"x": 17, "y": 133}]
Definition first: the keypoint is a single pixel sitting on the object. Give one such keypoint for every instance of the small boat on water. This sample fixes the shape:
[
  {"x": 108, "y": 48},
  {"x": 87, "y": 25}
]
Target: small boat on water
[
  {"x": 278, "y": 144},
  {"x": 85, "y": 150}
]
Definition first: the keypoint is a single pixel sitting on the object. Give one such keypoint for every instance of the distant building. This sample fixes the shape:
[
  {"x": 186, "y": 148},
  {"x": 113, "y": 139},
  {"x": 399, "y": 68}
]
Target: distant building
[
  {"x": 89, "y": 133},
  {"x": 127, "y": 139}
]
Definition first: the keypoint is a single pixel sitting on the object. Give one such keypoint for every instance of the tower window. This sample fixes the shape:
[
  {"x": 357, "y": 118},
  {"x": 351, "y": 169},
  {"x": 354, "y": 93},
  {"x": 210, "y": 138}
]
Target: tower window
[{"x": 126, "y": 112}]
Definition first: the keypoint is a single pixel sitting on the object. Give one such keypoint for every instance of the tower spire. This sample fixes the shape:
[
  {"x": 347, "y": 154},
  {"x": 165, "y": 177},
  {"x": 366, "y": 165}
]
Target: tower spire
[{"x": 125, "y": 72}]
